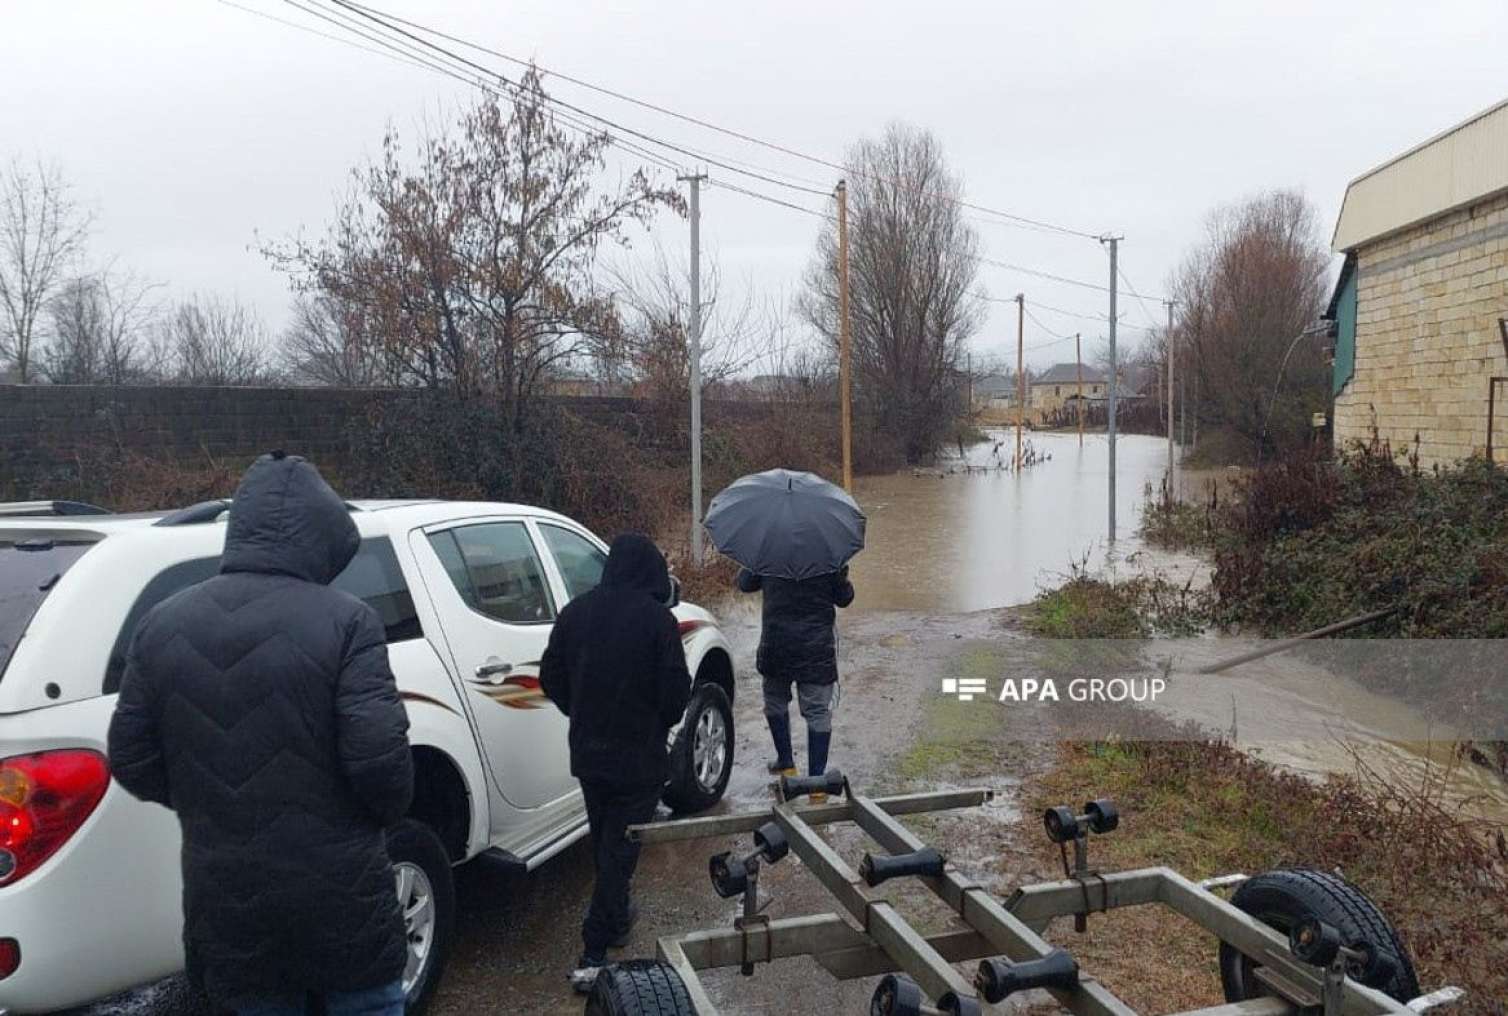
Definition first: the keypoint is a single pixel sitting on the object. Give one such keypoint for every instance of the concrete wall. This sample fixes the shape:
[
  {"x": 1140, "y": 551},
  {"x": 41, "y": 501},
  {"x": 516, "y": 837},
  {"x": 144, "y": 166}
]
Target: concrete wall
[{"x": 1427, "y": 338}]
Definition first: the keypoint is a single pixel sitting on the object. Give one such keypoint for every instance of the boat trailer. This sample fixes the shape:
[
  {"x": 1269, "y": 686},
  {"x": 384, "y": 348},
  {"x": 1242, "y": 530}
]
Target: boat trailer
[{"x": 1310, "y": 970}]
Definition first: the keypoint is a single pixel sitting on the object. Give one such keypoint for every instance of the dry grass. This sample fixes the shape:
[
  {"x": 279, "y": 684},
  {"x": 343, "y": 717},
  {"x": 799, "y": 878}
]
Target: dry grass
[{"x": 1204, "y": 809}]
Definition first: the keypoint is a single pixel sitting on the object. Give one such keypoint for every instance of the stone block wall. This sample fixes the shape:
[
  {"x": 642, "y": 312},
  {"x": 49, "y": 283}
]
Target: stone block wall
[{"x": 1427, "y": 337}]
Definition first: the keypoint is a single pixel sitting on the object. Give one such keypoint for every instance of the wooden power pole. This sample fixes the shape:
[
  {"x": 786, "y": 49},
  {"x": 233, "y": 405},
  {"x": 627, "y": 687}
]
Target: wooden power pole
[
  {"x": 1020, "y": 372},
  {"x": 1078, "y": 360},
  {"x": 845, "y": 340}
]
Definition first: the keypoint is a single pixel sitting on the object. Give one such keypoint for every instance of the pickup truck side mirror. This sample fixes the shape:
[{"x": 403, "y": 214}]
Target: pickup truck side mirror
[{"x": 675, "y": 593}]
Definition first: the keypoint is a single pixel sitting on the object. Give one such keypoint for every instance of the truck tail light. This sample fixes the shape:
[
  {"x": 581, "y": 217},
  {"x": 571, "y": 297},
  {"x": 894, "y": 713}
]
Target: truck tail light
[
  {"x": 44, "y": 798},
  {"x": 10, "y": 957}
]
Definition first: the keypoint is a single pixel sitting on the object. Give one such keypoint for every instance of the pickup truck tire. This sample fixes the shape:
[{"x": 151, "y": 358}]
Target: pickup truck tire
[
  {"x": 426, "y": 889},
  {"x": 701, "y": 759},
  {"x": 1286, "y": 896},
  {"x": 639, "y": 988}
]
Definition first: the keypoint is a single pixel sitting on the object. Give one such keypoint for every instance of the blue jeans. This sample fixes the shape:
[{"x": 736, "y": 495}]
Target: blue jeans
[{"x": 384, "y": 1001}]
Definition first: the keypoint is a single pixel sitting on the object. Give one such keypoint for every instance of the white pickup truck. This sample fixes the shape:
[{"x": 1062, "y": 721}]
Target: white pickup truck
[{"x": 90, "y": 890}]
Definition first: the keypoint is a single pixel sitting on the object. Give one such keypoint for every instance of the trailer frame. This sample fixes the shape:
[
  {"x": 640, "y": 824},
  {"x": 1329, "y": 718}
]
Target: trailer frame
[{"x": 885, "y": 942}]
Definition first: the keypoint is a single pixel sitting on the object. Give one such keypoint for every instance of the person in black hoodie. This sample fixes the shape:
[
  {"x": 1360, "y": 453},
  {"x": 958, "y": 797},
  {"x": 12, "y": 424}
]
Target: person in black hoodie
[
  {"x": 616, "y": 667},
  {"x": 259, "y": 707},
  {"x": 798, "y": 645}
]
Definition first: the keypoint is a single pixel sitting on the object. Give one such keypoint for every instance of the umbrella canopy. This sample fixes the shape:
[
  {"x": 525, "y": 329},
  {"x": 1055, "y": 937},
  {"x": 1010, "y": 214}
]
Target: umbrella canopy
[{"x": 786, "y": 524}]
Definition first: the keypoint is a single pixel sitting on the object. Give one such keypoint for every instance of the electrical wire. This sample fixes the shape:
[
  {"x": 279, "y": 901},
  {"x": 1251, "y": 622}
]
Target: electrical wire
[
  {"x": 1145, "y": 312},
  {"x": 325, "y": 35},
  {"x": 446, "y": 63},
  {"x": 558, "y": 103},
  {"x": 376, "y": 14}
]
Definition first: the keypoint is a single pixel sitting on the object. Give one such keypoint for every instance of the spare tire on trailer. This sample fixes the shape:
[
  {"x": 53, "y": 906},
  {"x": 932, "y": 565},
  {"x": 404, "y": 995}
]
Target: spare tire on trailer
[
  {"x": 639, "y": 988},
  {"x": 1286, "y": 896}
]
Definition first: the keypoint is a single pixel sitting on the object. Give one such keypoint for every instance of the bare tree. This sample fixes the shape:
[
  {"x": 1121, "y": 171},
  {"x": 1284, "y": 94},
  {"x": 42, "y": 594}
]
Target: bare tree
[
  {"x": 327, "y": 344},
  {"x": 213, "y": 341},
  {"x": 913, "y": 261},
  {"x": 42, "y": 233},
  {"x": 652, "y": 343},
  {"x": 1251, "y": 290},
  {"x": 100, "y": 331},
  {"x": 474, "y": 266}
]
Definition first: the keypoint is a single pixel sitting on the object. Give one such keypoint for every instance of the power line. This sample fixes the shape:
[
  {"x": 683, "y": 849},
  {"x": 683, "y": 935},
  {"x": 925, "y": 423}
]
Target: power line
[
  {"x": 1142, "y": 303},
  {"x": 325, "y": 35},
  {"x": 560, "y": 103},
  {"x": 378, "y": 15},
  {"x": 407, "y": 52}
]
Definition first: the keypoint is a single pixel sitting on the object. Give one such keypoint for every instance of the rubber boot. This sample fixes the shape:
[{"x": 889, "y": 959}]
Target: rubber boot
[
  {"x": 780, "y": 733},
  {"x": 817, "y": 743}
]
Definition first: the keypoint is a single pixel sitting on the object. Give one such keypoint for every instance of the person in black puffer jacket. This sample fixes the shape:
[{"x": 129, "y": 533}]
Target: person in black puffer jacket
[
  {"x": 798, "y": 645},
  {"x": 615, "y": 665},
  {"x": 259, "y": 707}
]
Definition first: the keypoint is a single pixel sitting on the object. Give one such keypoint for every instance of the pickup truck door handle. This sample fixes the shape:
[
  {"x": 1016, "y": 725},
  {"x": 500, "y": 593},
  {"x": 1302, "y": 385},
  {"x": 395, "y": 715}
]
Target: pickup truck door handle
[{"x": 492, "y": 673}]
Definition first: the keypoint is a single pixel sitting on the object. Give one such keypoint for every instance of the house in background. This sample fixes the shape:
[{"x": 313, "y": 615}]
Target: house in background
[
  {"x": 1423, "y": 289},
  {"x": 994, "y": 391},
  {"x": 1056, "y": 387}
]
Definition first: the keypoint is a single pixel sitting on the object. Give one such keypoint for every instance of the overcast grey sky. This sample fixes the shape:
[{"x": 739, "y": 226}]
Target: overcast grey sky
[{"x": 191, "y": 127}]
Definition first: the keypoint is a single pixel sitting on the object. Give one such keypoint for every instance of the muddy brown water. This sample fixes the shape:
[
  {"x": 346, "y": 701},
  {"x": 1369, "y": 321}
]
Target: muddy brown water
[{"x": 947, "y": 540}]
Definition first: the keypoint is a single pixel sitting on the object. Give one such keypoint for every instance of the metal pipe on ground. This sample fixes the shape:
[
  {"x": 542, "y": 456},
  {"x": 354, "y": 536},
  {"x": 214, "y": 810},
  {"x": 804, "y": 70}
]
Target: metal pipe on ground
[{"x": 1278, "y": 647}]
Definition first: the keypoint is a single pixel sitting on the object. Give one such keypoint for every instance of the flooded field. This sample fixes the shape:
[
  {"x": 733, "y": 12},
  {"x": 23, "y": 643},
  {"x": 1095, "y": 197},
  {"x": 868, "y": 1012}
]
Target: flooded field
[{"x": 948, "y": 541}]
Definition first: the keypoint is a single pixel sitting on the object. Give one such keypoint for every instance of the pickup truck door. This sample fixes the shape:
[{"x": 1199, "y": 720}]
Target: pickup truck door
[{"x": 496, "y": 606}]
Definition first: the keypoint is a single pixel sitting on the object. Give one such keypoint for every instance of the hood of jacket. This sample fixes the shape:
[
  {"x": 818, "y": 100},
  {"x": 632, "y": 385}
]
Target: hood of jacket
[
  {"x": 634, "y": 562},
  {"x": 286, "y": 520}
]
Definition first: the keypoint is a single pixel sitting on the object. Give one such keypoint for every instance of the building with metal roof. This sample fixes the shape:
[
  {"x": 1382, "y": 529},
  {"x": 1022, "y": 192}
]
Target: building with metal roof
[{"x": 1420, "y": 305}]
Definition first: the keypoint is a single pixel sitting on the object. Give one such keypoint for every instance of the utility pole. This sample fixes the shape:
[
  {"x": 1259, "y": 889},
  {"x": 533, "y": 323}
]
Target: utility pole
[
  {"x": 1078, "y": 359},
  {"x": 1172, "y": 461},
  {"x": 1114, "y": 242},
  {"x": 1020, "y": 372},
  {"x": 696, "y": 366},
  {"x": 845, "y": 340},
  {"x": 1183, "y": 408}
]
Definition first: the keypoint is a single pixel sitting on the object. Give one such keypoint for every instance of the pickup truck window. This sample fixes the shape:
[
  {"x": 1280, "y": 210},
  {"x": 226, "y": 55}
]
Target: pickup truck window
[
  {"x": 495, "y": 569},
  {"x": 29, "y": 569},
  {"x": 579, "y": 559},
  {"x": 373, "y": 576}
]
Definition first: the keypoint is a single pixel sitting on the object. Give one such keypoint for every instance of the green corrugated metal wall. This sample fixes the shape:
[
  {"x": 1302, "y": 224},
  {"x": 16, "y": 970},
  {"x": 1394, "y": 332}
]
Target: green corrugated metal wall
[{"x": 1345, "y": 329}]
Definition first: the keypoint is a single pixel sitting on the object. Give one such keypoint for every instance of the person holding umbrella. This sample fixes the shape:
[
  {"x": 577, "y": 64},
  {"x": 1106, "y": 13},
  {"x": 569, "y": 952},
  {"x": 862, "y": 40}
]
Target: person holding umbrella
[{"x": 793, "y": 533}]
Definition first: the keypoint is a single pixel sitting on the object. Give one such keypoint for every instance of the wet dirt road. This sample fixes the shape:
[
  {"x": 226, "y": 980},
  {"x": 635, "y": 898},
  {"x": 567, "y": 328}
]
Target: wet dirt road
[{"x": 518, "y": 936}]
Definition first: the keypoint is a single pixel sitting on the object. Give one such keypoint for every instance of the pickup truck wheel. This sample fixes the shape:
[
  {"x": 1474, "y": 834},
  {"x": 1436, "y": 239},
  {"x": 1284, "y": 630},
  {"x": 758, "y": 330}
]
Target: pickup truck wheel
[
  {"x": 701, "y": 759},
  {"x": 639, "y": 988},
  {"x": 427, "y": 896},
  {"x": 1283, "y": 898}
]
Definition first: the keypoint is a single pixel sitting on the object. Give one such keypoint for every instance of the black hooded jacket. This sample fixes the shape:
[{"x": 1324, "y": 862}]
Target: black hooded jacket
[
  {"x": 616, "y": 667},
  {"x": 796, "y": 639},
  {"x": 259, "y": 706}
]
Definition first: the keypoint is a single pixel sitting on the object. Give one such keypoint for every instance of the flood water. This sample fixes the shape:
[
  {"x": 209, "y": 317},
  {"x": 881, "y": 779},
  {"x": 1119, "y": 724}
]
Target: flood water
[
  {"x": 954, "y": 540},
  {"x": 949, "y": 541}
]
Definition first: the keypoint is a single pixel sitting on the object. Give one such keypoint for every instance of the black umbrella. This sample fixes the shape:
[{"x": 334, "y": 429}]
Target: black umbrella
[{"x": 786, "y": 524}]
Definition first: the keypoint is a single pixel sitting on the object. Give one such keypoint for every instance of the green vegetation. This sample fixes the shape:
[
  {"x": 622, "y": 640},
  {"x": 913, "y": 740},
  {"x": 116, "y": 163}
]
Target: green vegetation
[
  {"x": 1308, "y": 542},
  {"x": 1091, "y": 608}
]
